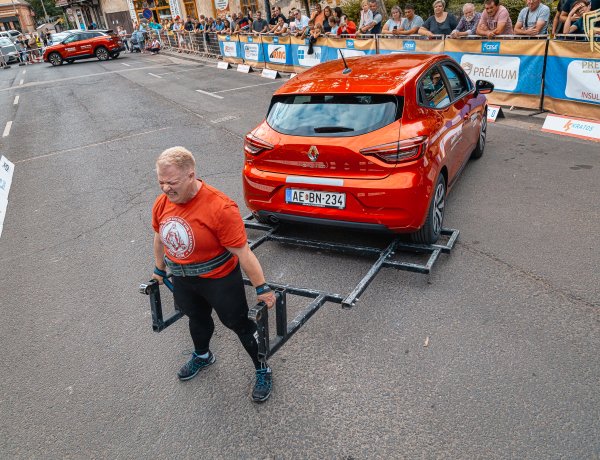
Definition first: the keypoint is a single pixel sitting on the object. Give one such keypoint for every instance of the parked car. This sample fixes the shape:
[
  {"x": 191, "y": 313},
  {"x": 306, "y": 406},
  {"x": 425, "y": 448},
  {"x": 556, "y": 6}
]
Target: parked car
[
  {"x": 375, "y": 145},
  {"x": 83, "y": 45},
  {"x": 12, "y": 35},
  {"x": 9, "y": 50}
]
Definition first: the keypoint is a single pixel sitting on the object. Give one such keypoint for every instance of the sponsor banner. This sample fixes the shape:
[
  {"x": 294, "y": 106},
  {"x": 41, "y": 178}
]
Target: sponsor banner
[
  {"x": 301, "y": 58},
  {"x": 575, "y": 72},
  {"x": 230, "y": 48},
  {"x": 410, "y": 45},
  {"x": 7, "y": 169},
  {"x": 349, "y": 47},
  {"x": 252, "y": 50},
  {"x": 574, "y": 127},
  {"x": 277, "y": 53},
  {"x": 513, "y": 66}
]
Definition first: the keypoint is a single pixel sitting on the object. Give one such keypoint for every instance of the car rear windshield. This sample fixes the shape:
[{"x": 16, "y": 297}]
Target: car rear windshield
[{"x": 333, "y": 114}]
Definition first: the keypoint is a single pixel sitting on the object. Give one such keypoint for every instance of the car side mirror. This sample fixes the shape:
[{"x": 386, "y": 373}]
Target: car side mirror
[{"x": 483, "y": 87}]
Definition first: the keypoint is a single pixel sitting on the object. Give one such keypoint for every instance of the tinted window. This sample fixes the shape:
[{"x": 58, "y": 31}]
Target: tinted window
[
  {"x": 333, "y": 114},
  {"x": 5, "y": 42},
  {"x": 433, "y": 91},
  {"x": 70, "y": 39},
  {"x": 458, "y": 84}
]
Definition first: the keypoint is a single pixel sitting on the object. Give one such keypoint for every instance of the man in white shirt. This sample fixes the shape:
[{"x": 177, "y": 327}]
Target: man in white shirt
[{"x": 533, "y": 19}]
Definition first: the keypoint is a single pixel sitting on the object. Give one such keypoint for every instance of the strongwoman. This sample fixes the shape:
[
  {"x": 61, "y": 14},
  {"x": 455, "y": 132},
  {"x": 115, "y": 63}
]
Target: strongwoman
[{"x": 200, "y": 237}]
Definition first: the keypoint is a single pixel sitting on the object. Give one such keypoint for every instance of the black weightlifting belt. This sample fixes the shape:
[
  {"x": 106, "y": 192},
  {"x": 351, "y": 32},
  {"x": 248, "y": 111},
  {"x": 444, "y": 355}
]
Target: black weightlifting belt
[{"x": 197, "y": 269}]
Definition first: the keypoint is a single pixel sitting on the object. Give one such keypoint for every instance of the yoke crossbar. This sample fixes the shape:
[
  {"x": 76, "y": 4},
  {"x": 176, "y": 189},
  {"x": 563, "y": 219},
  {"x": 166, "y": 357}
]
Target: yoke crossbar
[
  {"x": 259, "y": 314},
  {"x": 284, "y": 330}
]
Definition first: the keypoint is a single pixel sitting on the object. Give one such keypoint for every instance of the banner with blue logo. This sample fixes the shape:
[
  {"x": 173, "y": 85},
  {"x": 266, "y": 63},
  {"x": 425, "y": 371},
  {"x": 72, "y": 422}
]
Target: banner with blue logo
[
  {"x": 349, "y": 47},
  {"x": 394, "y": 44},
  {"x": 514, "y": 67},
  {"x": 304, "y": 55},
  {"x": 230, "y": 48},
  {"x": 277, "y": 52},
  {"x": 251, "y": 50},
  {"x": 574, "y": 86}
]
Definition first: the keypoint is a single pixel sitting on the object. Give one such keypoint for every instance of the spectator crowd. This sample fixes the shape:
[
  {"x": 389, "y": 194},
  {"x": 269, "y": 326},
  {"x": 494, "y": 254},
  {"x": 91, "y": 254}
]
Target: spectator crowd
[{"x": 494, "y": 20}]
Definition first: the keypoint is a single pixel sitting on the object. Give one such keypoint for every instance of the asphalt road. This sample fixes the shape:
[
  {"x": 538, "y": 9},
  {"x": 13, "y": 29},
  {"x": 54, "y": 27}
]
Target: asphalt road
[{"x": 512, "y": 316}]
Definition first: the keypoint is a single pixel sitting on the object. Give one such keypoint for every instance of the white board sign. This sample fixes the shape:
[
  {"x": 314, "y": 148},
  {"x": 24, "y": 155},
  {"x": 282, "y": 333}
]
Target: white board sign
[
  {"x": 574, "y": 127},
  {"x": 269, "y": 73},
  {"x": 244, "y": 68},
  {"x": 7, "y": 169}
]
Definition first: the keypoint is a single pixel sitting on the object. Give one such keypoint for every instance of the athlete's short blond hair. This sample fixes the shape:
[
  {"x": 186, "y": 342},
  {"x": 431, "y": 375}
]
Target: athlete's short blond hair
[{"x": 177, "y": 156}]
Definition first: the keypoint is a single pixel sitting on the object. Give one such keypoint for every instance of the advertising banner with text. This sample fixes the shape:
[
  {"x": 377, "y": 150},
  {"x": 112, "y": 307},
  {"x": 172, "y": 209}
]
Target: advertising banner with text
[
  {"x": 230, "y": 48},
  {"x": 349, "y": 47},
  {"x": 304, "y": 56},
  {"x": 251, "y": 50},
  {"x": 572, "y": 83},
  {"x": 392, "y": 45},
  {"x": 277, "y": 52},
  {"x": 515, "y": 67}
]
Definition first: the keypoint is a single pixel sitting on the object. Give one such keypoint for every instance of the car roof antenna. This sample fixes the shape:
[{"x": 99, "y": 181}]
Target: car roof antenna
[{"x": 347, "y": 69}]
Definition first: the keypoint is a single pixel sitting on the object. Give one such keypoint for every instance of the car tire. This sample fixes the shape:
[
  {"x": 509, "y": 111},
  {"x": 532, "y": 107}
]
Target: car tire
[
  {"x": 55, "y": 59},
  {"x": 478, "y": 151},
  {"x": 69, "y": 61},
  {"x": 115, "y": 55},
  {"x": 432, "y": 228},
  {"x": 102, "y": 53}
]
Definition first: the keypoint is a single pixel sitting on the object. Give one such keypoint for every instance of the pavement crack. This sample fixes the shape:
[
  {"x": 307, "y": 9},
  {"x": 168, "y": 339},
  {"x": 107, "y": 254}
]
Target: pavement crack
[{"x": 531, "y": 275}]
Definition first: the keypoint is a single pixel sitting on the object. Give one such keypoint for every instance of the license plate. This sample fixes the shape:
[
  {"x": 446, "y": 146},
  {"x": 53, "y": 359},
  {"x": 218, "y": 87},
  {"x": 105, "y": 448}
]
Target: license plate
[{"x": 315, "y": 198}]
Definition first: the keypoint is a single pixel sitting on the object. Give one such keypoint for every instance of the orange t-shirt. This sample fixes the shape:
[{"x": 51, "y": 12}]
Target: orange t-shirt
[{"x": 199, "y": 230}]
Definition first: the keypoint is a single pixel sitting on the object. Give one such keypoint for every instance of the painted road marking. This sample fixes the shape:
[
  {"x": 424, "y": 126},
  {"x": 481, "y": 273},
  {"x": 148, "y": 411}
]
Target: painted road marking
[
  {"x": 154, "y": 75},
  {"x": 57, "y": 80},
  {"x": 128, "y": 65},
  {"x": 118, "y": 139},
  {"x": 21, "y": 82},
  {"x": 226, "y": 118},
  {"x": 24, "y": 72},
  {"x": 7, "y": 129},
  {"x": 209, "y": 94},
  {"x": 16, "y": 100},
  {"x": 244, "y": 87}
]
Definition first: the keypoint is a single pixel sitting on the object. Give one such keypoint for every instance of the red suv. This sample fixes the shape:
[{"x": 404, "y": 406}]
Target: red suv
[{"x": 85, "y": 44}]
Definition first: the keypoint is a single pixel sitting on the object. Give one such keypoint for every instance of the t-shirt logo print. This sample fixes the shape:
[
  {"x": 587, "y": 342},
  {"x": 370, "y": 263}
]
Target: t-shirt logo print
[{"x": 177, "y": 237}]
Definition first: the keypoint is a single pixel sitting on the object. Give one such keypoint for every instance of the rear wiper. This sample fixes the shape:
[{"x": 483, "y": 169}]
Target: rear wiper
[{"x": 333, "y": 129}]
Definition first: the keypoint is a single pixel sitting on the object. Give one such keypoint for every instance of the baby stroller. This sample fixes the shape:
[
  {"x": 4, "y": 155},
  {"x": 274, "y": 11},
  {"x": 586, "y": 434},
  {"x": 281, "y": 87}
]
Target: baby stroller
[{"x": 136, "y": 42}]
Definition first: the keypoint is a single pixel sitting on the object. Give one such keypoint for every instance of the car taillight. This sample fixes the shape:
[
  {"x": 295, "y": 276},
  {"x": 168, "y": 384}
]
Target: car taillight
[
  {"x": 397, "y": 152},
  {"x": 253, "y": 145}
]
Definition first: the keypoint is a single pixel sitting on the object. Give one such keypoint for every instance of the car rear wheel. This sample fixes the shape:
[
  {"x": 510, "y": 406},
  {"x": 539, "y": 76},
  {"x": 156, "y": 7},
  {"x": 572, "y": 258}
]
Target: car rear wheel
[
  {"x": 482, "y": 134},
  {"x": 115, "y": 55},
  {"x": 55, "y": 59},
  {"x": 432, "y": 229},
  {"x": 102, "y": 54}
]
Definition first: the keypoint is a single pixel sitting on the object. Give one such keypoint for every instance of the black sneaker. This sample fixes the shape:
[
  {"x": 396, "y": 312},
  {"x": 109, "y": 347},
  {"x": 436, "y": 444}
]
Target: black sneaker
[
  {"x": 263, "y": 385},
  {"x": 195, "y": 365}
]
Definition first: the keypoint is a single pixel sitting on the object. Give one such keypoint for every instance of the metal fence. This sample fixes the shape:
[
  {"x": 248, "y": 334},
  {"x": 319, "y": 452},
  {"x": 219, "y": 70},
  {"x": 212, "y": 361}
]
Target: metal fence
[{"x": 198, "y": 43}]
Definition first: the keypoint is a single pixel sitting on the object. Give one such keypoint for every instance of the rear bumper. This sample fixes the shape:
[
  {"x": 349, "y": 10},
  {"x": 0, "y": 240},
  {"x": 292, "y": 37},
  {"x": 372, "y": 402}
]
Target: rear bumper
[{"x": 397, "y": 203}]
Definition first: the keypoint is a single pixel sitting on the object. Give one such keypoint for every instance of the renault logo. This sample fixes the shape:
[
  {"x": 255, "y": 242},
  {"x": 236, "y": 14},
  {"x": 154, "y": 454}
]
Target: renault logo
[{"x": 313, "y": 153}]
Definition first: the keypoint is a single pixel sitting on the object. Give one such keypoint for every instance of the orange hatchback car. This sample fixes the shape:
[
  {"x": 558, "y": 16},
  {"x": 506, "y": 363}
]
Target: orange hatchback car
[
  {"x": 373, "y": 144},
  {"x": 101, "y": 44}
]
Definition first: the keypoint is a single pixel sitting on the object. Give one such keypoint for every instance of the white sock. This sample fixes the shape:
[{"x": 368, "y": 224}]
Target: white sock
[{"x": 204, "y": 356}]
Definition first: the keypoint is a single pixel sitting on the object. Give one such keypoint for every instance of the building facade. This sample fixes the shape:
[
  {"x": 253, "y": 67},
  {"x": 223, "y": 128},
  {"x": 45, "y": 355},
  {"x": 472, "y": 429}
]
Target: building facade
[
  {"x": 82, "y": 14},
  {"x": 16, "y": 15}
]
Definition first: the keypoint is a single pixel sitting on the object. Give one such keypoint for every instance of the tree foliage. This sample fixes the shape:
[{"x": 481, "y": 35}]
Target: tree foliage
[{"x": 51, "y": 9}]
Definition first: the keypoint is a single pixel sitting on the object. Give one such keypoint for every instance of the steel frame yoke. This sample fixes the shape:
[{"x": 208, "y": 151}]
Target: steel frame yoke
[{"x": 284, "y": 331}]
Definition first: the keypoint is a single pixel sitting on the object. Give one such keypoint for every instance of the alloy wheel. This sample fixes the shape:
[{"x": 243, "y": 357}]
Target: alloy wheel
[{"x": 439, "y": 202}]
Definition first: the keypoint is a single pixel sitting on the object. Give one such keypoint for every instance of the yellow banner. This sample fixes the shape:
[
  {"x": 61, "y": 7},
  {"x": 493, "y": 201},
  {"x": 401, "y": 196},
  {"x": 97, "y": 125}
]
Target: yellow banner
[
  {"x": 278, "y": 53},
  {"x": 349, "y": 44},
  {"x": 408, "y": 45},
  {"x": 230, "y": 48},
  {"x": 499, "y": 47}
]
